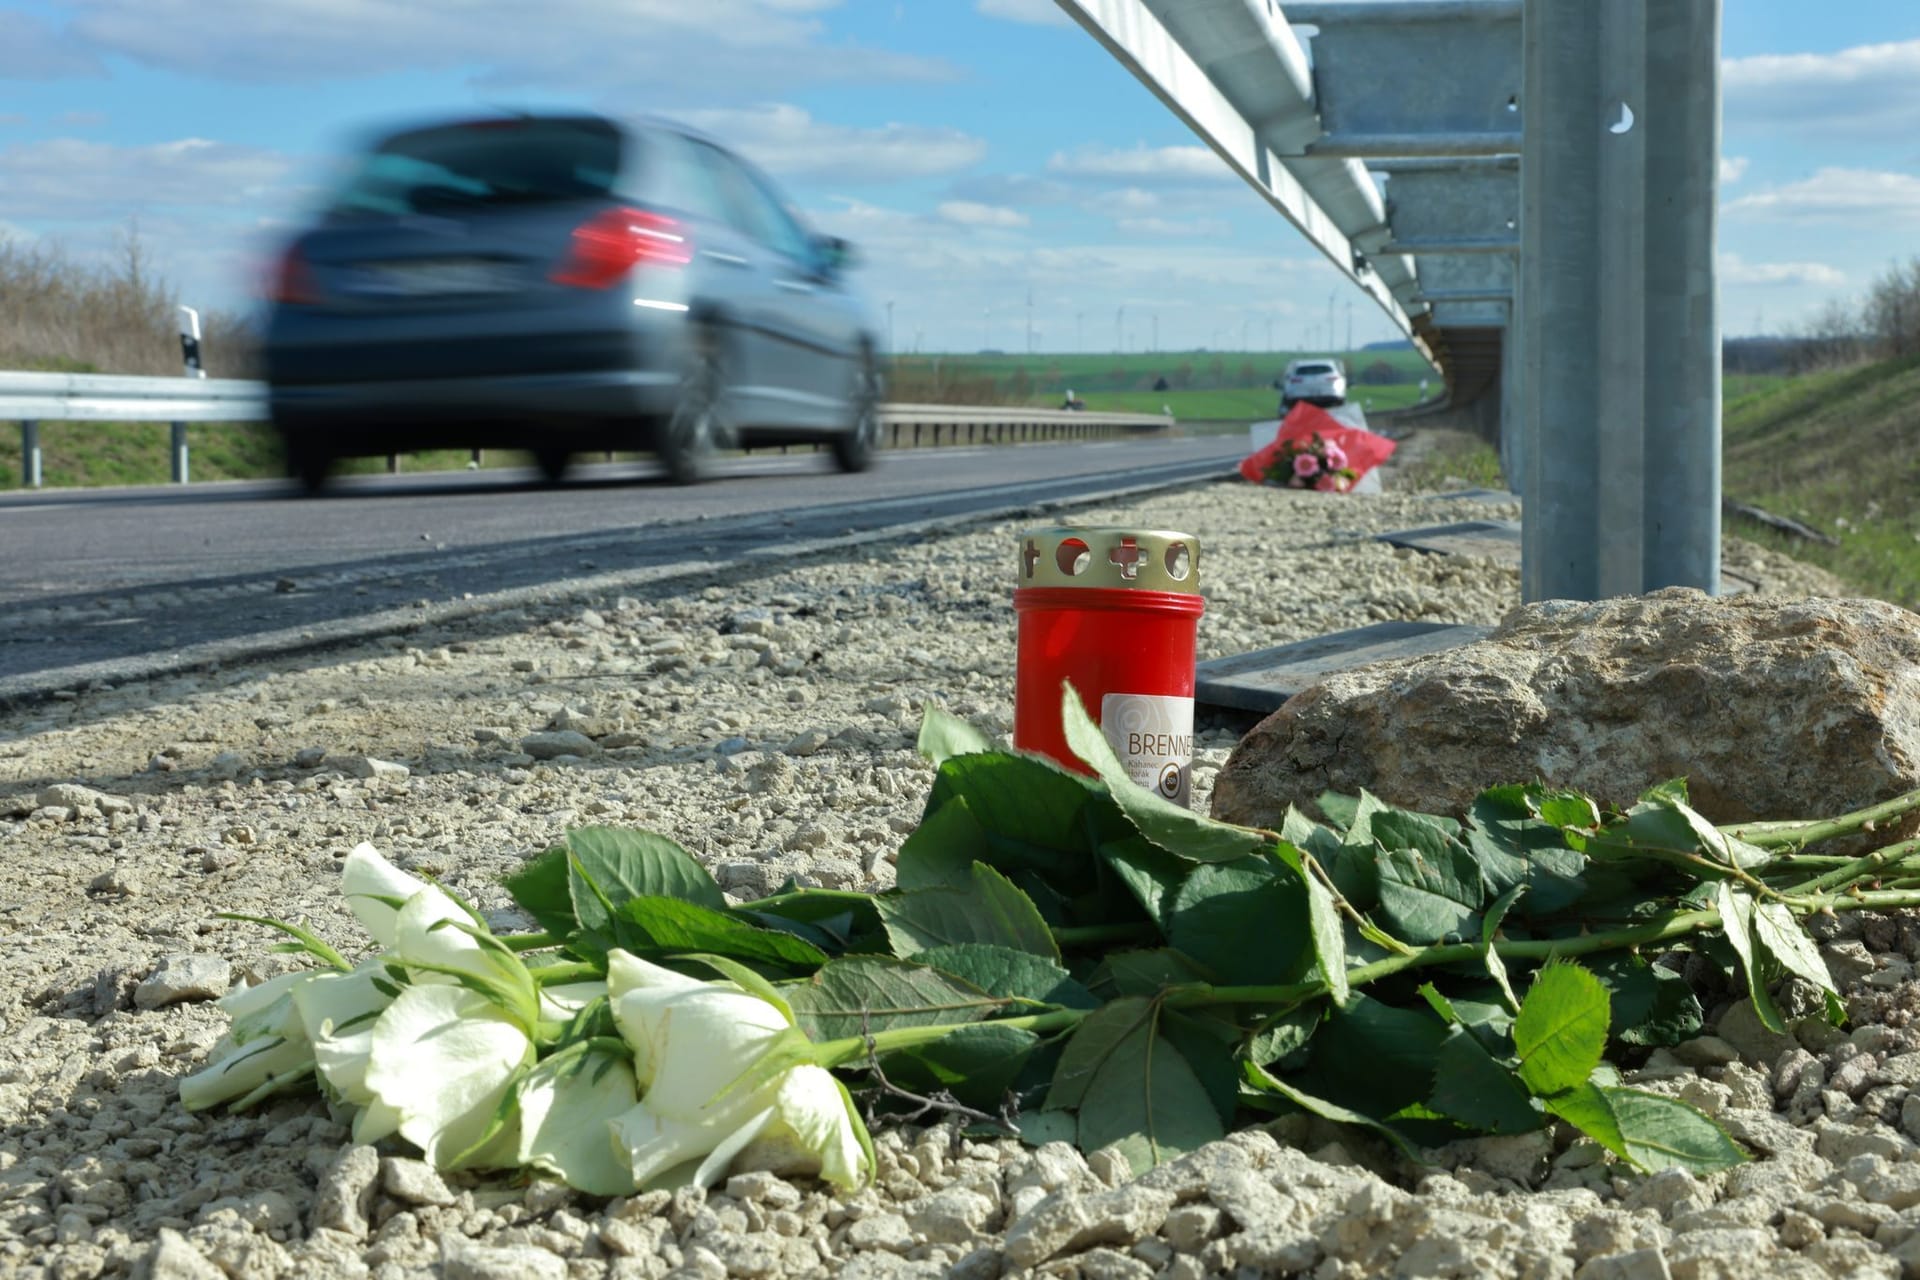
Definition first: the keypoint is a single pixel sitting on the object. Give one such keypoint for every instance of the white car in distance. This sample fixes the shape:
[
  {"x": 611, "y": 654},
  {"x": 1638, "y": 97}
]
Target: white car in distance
[{"x": 1321, "y": 381}]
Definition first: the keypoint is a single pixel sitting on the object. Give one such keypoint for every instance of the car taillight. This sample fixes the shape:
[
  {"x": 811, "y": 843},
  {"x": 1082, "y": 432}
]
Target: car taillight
[
  {"x": 610, "y": 244},
  {"x": 292, "y": 280}
]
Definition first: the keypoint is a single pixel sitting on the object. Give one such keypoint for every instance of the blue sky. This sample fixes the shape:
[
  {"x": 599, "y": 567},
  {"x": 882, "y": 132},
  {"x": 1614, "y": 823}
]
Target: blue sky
[{"x": 978, "y": 151}]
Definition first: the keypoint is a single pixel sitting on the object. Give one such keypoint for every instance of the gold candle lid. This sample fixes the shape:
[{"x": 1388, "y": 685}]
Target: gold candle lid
[{"x": 1147, "y": 559}]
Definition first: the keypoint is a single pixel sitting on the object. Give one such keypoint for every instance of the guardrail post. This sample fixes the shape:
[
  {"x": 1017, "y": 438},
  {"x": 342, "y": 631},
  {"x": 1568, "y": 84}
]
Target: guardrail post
[
  {"x": 177, "y": 452},
  {"x": 393, "y": 464},
  {"x": 30, "y": 455},
  {"x": 1620, "y": 408}
]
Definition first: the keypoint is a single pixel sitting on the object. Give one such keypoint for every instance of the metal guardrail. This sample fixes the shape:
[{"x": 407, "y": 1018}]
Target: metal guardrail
[{"x": 33, "y": 398}]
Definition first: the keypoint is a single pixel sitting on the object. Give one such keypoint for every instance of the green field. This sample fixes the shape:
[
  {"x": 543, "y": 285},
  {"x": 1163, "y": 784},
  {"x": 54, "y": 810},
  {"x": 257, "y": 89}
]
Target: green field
[
  {"x": 1839, "y": 451},
  {"x": 1201, "y": 385}
]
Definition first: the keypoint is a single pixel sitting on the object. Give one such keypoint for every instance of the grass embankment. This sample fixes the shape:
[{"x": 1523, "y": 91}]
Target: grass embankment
[{"x": 1839, "y": 451}]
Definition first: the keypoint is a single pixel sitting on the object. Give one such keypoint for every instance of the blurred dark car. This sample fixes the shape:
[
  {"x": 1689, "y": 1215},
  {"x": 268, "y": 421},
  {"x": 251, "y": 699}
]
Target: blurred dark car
[{"x": 563, "y": 283}]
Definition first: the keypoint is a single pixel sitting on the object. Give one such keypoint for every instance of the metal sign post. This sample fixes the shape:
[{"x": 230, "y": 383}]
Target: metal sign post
[{"x": 190, "y": 357}]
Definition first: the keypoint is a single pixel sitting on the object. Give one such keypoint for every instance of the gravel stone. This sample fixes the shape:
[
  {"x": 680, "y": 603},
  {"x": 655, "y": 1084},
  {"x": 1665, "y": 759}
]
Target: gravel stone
[
  {"x": 344, "y": 1198},
  {"x": 413, "y": 1181},
  {"x": 178, "y": 978},
  {"x": 951, "y": 1216},
  {"x": 1068, "y": 1220},
  {"x": 553, "y": 744}
]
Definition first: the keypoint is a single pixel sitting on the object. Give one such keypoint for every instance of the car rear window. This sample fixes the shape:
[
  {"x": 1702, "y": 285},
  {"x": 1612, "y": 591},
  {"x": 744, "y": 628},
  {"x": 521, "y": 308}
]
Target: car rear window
[
  {"x": 1313, "y": 368},
  {"x": 487, "y": 162}
]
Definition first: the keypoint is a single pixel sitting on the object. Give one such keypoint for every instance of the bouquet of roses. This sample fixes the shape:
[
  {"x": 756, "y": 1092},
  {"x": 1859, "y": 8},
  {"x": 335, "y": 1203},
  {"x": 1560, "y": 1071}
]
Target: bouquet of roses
[{"x": 1313, "y": 463}]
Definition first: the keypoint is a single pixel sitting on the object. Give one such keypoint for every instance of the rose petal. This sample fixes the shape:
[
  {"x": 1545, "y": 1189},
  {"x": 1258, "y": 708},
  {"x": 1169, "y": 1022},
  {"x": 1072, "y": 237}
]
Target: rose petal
[
  {"x": 244, "y": 1069},
  {"x": 814, "y": 1132},
  {"x": 566, "y": 1121},
  {"x": 443, "y": 1058},
  {"x": 721, "y": 1024},
  {"x": 561, "y": 1002},
  {"x": 333, "y": 1001},
  {"x": 656, "y": 1144},
  {"x": 365, "y": 880}
]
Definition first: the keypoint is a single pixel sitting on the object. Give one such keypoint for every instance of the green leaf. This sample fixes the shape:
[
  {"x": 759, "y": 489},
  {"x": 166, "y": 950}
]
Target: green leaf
[
  {"x": 1496, "y": 967},
  {"x": 1037, "y": 1128},
  {"x": 1562, "y": 1028},
  {"x": 1666, "y": 830},
  {"x": 672, "y": 927},
  {"x": 1207, "y": 1044},
  {"x": 1283, "y": 1035},
  {"x": 1359, "y": 828},
  {"x": 1003, "y": 971},
  {"x": 855, "y": 995},
  {"x": 1586, "y": 1108},
  {"x": 306, "y": 941},
  {"x": 992, "y": 910},
  {"x": 1430, "y": 887},
  {"x": 1340, "y": 810},
  {"x": 611, "y": 866},
  {"x": 1224, "y": 907},
  {"x": 943, "y": 736},
  {"x": 1775, "y": 929},
  {"x": 1469, "y": 1086},
  {"x": 1649, "y": 1131},
  {"x": 1736, "y": 921},
  {"x": 1372, "y": 1056},
  {"x": 1651, "y": 1005},
  {"x": 1151, "y": 874},
  {"x": 978, "y": 1064},
  {"x": 1098, "y": 1036},
  {"x": 1146, "y": 1098},
  {"x": 941, "y": 851},
  {"x": 1665, "y": 1133},
  {"x": 1267, "y": 1082},
  {"x": 1324, "y": 925},
  {"x": 540, "y": 887},
  {"x": 1173, "y": 827},
  {"x": 848, "y": 920},
  {"x": 1147, "y": 973},
  {"x": 1034, "y": 816}
]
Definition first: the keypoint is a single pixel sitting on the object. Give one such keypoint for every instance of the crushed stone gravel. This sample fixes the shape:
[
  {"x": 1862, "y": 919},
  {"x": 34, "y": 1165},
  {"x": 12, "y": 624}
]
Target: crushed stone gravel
[{"x": 767, "y": 722}]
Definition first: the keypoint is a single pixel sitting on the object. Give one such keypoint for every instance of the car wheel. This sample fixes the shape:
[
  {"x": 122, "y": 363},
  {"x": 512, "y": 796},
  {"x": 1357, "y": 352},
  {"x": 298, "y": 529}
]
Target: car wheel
[
  {"x": 308, "y": 465},
  {"x": 1286, "y": 407},
  {"x": 854, "y": 448},
  {"x": 688, "y": 439},
  {"x": 553, "y": 463}
]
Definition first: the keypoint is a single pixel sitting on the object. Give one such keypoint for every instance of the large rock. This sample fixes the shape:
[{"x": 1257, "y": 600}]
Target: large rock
[{"x": 1769, "y": 707}]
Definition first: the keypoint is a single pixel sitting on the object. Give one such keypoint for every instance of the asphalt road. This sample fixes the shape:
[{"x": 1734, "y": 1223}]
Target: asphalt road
[{"x": 116, "y": 584}]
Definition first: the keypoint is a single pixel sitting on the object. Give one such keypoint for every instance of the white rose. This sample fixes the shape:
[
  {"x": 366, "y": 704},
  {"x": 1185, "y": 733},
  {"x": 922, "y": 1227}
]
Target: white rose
[
  {"x": 723, "y": 1077},
  {"x": 265, "y": 1050}
]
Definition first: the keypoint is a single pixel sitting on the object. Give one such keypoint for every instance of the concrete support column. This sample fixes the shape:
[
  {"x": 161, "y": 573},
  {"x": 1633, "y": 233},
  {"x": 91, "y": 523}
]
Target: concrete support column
[{"x": 1619, "y": 438}]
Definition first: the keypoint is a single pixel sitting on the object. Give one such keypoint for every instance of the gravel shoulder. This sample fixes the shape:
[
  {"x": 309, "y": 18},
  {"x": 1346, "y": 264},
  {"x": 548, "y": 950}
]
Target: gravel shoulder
[{"x": 766, "y": 721}]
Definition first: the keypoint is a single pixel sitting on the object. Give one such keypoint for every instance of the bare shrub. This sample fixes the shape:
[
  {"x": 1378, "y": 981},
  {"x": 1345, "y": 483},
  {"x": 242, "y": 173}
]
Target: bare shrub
[{"x": 61, "y": 313}]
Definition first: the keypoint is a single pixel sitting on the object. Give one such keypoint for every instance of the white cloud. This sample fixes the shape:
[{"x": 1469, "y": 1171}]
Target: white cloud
[
  {"x": 604, "y": 46},
  {"x": 1732, "y": 169},
  {"x": 787, "y": 140},
  {"x": 72, "y": 178},
  {"x": 32, "y": 49},
  {"x": 1868, "y": 89},
  {"x": 1039, "y": 13},
  {"x": 1838, "y": 195},
  {"x": 1175, "y": 229},
  {"x": 1736, "y": 271},
  {"x": 1158, "y": 164},
  {"x": 970, "y": 213}
]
